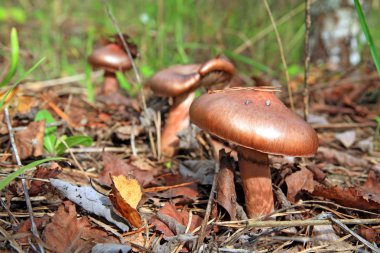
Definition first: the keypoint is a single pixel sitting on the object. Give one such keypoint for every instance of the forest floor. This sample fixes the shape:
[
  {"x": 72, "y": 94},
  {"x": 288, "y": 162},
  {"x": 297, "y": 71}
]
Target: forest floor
[{"x": 327, "y": 203}]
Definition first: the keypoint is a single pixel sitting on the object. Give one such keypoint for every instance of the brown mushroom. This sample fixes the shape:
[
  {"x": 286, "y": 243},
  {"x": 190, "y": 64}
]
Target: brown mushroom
[
  {"x": 179, "y": 82},
  {"x": 112, "y": 58},
  {"x": 259, "y": 124}
]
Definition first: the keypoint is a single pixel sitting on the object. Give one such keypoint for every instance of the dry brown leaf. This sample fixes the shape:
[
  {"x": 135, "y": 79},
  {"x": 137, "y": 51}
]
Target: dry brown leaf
[
  {"x": 115, "y": 166},
  {"x": 125, "y": 196},
  {"x": 170, "y": 221},
  {"x": 351, "y": 196},
  {"x": 26, "y": 226},
  {"x": 36, "y": 186},
  {"x": 67, "y": 233},
  {"x": 298, "y": 181},
  {"x": 30, "y": 141},
  {"x": 372, "y": 185},
  {"x": 343, "y": 158},
  {"x": 370, "y": 234},
  {"x": 225, "y": 192}
]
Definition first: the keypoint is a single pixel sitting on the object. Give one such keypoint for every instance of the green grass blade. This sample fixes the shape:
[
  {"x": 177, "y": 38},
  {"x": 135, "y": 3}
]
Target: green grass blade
[
  {"x": 49, "y": 134},
  {"x": 19, "y": 80},
  {"x": 14, "y": 58},
  {"x": 363, "y": 24},
  {"x": 4, "y": 182},
  {"x": 247, "y": 60}
]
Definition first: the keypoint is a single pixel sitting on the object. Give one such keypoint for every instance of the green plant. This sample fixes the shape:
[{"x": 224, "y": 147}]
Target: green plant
[
  {"x": 5, "y": 181},
  {"x": 14, "y": 58},
  {"x": 377, "y": 135},
  {"x": 368, "y": 36},
  {"x": 58, "y": 146}
]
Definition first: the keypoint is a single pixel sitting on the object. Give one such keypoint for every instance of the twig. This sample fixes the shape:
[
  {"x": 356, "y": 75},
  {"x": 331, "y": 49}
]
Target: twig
[
  {"x": 202, "y": 232},
  {"x": 25, "y": 188},
  {"x": 59, "y": 81},
  {"x": 11, "y": 240},
  {"x": 344, "y": 125},
  {"x": 120, "y": 34},
  {"x": 293, "y": 223},
  {"x": 345, "y": 228},
  {"x": 307, "y": 60},
  {"x": 279, "y": 42},
  {"x": 157, "y": 124},
  {"x": 133, "y": 143},
  {"x": 288, "y": 16}
]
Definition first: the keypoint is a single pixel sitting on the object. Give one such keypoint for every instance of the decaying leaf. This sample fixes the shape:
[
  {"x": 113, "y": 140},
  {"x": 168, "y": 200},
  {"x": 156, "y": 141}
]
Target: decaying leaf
[
  {"x": 172, "y": 222},
  {"x": 26, "y": 226},
  {"x": 125, "y": 196},
  {"x": 351, "y": 196},
  {"x": 347, "y": 138},
  {"x": 115, "y": 166},
  {"x": 181, "y": 194},
  {"x": 30, "y": 141},
  {"x": 37, "y": 186},
  {"x": 299, "y": 180},
  {"x": 202, "y": 170},
  {"x": 111, "y": 248},
  {"x": 343, "y": 158},
  {"x": 225, "y": 192},
  {"x": 67, "y": 233},
  {"x": 370, "y": 234},
  {"x": 372, "y": 184},
  {"x": 90, "y": 200}
]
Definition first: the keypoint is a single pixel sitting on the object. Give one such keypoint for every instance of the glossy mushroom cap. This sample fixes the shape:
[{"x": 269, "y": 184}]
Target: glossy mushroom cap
[
  {"x": 254, "y": 119},
  {"x": 180, "y": 79},
  {"x": 111, "y": 58}
]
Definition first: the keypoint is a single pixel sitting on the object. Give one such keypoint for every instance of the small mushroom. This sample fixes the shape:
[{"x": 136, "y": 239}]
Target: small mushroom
[
  {"x": 112, "y": 58},
  {"x": 259, "y": 124},
  {"x": 179, "y": 82}
]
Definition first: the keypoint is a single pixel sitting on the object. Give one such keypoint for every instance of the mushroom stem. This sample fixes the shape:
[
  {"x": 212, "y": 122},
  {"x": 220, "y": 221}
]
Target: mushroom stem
[
  {"x": 178, "y": 119},
  {"x": 110, "y": 84},
  {"x": 257, "y": 182}
]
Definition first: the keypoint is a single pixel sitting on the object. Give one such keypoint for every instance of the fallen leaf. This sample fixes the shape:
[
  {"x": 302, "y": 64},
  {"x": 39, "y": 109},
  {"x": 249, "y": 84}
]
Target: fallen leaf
[
  {"x": 372, "y": 185},
  {"x": 26, "y": 226},
  {"x": 125, "y": 132},
  {"x": 90, "y": 200},
  {"x": 30, "y": 141},
  {"x": 298, "y": 181},
  {"x": 343, "y": 158},
  {"x": 225, "y": 192},
  {"x": 111, "y": 247},
  {"x": 171, "y": 222},
  {"x": 347, "y": 138},
  {"x": 202, "y": 170},
  {"x": 125, "y": 196},
  {"x": 39, "y": 187},
  {"x": 370, "y": 234},
  {"x": 350, "y": 196},
  {"x": 67, "y": 233},
  {"x": 115, "y": 166}
]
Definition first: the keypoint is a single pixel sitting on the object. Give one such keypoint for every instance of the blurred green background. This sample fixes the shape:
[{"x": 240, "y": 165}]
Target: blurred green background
[{"x": 166, "y": 31}]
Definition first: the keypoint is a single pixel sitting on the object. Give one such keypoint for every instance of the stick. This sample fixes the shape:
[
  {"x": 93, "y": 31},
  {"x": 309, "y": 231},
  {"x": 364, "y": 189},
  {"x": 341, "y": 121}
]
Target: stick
[
  {"x": 25, "y": 188},
  {"x": 202, "y": 232},
  {"x": 279, "y": 42},
  {"x": 294, "y": 223},
  {"x": 307, "y": 60}
]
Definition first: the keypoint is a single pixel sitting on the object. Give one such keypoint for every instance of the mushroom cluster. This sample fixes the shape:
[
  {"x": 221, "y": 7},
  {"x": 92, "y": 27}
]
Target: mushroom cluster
[
  {"x": 180, "y": 82},
  {"x": 259, "y": 124}
]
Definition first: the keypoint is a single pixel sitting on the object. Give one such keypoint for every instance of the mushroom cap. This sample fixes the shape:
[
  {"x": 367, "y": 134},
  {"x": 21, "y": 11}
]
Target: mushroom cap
[
  {"x": 179, "y": 79},
  {"x": 111, "y": 58},
  {"x": 256, "y": 120}
]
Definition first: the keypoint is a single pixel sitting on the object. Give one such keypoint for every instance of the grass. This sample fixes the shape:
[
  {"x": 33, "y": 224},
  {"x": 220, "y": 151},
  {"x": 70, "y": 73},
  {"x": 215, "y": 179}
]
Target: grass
[{"x": 167, "y": 32}]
